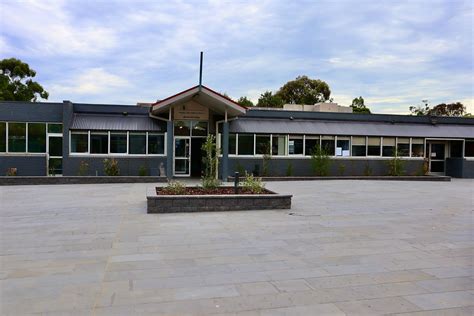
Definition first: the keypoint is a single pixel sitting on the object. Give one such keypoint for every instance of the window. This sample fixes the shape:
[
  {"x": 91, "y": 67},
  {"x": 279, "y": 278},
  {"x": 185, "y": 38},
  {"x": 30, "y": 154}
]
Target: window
[
  {"x": 343, "y": 146},
  {"x": 245, "y": 144},
  {"x": 403, "y": 147},
  {"x": 295, "y": 145},
  {"x": 328, "y": 144},
  {"x": 99, "y": 143},
  {"x": 232, "y": 144},
  {"x": 455, "y": 149},
  {"x": 310, "y": 144},
  {"x": 469, "y": 148},
  {"x": 373, "y": 146},
  {"x": 118, "y": 143},
  {"x": 3, "y": 137},
  {"x": 388, "y": 146},
  {"x": 358, "y": 146},
  {"x": 181, "y": 128},
  {"x": 278, "y": 145},
  {"x": 199, "y": 128},
  {"x": 137, "y": 143},
  {"x": 262, "y": 144},
  {"x": 55, "y": 128},
  {"x": 36, "y": 137},
  {"x": 79, "y": 142},
  {"x": 156, "y": 144},
  {"x": 55, "y": 146},
  {"x": 17, "y": 137},
  {"x": 417, "y": 147}
]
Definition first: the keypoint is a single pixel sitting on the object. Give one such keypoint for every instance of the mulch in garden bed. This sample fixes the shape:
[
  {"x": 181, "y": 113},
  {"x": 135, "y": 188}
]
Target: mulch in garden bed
[{"x": 202, "y": 191}]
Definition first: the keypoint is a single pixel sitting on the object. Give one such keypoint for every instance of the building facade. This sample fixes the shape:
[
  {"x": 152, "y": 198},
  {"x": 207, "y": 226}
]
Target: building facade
[{"x": 165, "y": 139}]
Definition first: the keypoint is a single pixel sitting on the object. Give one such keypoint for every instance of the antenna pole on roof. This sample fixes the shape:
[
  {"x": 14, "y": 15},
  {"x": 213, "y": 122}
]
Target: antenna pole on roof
[{"x": 200, "y": 73}]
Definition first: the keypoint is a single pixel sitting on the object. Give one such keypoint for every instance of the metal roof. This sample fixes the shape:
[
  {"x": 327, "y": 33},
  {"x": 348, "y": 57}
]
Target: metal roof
[
  {"x": 280, "y": 126},
  {"x": 115, "y": 123}
]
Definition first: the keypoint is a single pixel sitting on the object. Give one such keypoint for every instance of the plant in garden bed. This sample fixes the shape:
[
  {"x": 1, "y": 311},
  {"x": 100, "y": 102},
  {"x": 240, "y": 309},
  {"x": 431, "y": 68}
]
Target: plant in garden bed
[
  {"x": 253, "y": 184},
  {"x": 143, "y": 171},
  {"x": 320, "y": 161},
  {"x": 210, "y": 160},
  {"x": 395, "y": 165},
  {"x": 83, "y": 168},
  {"x": 289, "y": 169},
  {"x": 111, "y": 167},
  {"x": 174, "y": 188}
]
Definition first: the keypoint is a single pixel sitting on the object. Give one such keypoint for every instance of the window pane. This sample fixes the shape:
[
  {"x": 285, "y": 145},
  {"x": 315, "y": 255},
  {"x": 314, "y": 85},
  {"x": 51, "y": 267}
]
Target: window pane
[
  {"x": 310, "y": 145},
  {"x": 156, "y": 144},
  {"x": 181, "y": 128},
  {"x": 36, "y": 137},
  {"x": 78, "y": 143},
  {"x": 262, "y": 145},
  {"x": 55, "y": 128},
  {"x": 137, "y": 144},
  {"x": 199, "y": 128},
  {"x": 343, "y": 146},
  {"x": 16, "y": 137},
  {"x": 56, "y": 146},
  {"x": 327, "y": 144},
  {"x": 55, "y": 166},
  {"x": 358, "y": 146},
  {"x": 417, "y": 147},
  {"x": 373, "y": 148},
  {"x": 246, "y": 144},
  {"x": 278, "y": 145},
  {"x": 403, "y": 147},
  {"x": 456, "y": 149},
  {"x": 3, "y": 136},
  {"x": 388, "y": 146},
  {"x": 99, "y": 143},
  {"x": 295, "y": 146},
  {"x": 118, "y": 143},
  {"x": 232, "y": 144},
  {"x": 469, "y": 148}
]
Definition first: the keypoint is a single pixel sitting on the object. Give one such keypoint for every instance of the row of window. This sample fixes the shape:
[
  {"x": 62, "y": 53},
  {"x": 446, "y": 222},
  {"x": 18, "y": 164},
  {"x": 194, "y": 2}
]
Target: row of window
[
  {"x": 190, "y": 128},
  {"x": 26, "y": 137},
  {"x": 107, "y": 142},
  {"x": 288, "y": 145}
]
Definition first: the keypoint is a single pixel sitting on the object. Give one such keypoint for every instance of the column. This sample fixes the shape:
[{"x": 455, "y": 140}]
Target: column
[
  {"x": 169, "y": 149},
  {"x": 225, "y": 150}
]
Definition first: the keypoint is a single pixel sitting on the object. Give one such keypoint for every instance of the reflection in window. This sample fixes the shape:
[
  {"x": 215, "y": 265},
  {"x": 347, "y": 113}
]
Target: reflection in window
[
  {"x": 137, "y": 143},
  {"x": 403, "y": 147},
  {"x": 262, "y": 145},
  {"x": 99, "y": 143},
  {"x": 118, "y": 143},
  {"x": 328, "y": 145},
  {"x": 181, "y": 128},
  {"x": 373, "y": 146},
  {"x": 278, "y": 145},
  {"x": 3, "y": 137},
  {"x": 388, "y": 146},
  {"x": 156, "y": 144},
  {"x": 36, "y": 137},
  {"x": 199, "y": 128},
  {"x": 245, "y": 144},
  {"x": 417, "y": 147},
  {"x": 295, "y": 145},
  {"x": 358, "y": 146},
  {"x": 17, "y": 137},
  {"x": 343, "y": 146},
  {"x": 79, "y": 142},
  {"x": 310, "y": 144}
]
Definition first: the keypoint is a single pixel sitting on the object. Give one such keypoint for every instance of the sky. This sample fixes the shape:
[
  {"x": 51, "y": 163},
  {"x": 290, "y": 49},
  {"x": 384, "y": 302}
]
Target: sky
[{"x": 392, "y": 53}]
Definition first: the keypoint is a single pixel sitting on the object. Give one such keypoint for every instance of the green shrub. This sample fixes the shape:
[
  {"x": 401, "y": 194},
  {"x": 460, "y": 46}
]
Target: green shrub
[
  {"x": 111, "y": 167},
  {"x": 289, "y": 169},
  {"x": 395, "y": 165},
  {"x": 210, "y": 158},
  {"x": 143, "y": 171},
  {"x": 83, "y": 168},
  {"x": 210, "y": 183},
  {"x": 320, "y": 161},
  {"x": 240, "y": 169},
  {"x": 175, "y": 188},
  {"x": 252, "y": 184}
]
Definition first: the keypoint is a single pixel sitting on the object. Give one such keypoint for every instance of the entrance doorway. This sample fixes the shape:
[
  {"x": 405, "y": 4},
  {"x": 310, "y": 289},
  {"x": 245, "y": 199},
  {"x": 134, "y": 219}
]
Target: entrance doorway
[
  {"x": 55, "y": 155},
  {"x": 437, "y": 157},
  {"x": 182, "y": 157},
  {"x": 196, "y": 156}
]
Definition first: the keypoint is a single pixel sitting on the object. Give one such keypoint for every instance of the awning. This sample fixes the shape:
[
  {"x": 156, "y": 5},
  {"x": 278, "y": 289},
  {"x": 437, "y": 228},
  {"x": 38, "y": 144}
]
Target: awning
[
  {"x": 287, "y": 126},
  {"x": 115, "y": 123}
]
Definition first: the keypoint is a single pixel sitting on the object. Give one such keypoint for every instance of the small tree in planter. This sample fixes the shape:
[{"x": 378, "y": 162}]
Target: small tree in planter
[
  {"x": 111, "y": 167},
  {"x": 320, "y": 161},
  {"x": 395, "y": 165},
  {"x": 211, "y": 161}
]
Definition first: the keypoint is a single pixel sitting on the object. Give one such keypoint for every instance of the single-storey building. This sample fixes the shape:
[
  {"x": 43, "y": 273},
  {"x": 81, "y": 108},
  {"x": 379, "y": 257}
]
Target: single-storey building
[{"x": 165, "y": 138}]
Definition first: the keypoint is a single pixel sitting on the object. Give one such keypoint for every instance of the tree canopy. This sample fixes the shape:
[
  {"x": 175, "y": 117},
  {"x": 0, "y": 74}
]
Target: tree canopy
[
  {"x": 304, "y": 90},
  {"x": 16, "y": 83},
  {"x": 358, "y": 106},
  {"x": 442, "y": 109},
  {"x": 244, "y": 101},
  {"x": 270, "y": 100}
]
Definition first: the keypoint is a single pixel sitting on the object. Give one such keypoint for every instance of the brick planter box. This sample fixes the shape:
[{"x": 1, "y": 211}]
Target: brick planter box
[{"x": 215, "y": 203}]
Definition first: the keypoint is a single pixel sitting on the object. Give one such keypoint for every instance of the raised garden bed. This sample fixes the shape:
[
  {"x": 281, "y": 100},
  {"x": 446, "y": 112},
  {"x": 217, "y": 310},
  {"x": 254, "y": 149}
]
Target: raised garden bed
[
  {"x": 385, "y": 178},
  {"x": 220, "y": 199}
]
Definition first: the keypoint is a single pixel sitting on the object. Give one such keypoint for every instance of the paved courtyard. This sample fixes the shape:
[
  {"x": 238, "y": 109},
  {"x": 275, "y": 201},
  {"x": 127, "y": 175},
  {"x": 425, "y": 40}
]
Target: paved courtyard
[{"x": 348, "y": 248}]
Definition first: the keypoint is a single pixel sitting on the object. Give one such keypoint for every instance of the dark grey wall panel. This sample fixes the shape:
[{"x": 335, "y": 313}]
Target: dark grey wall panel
[
  {"x": 128, "y": 166},
  {"x": 468, "y": 169},
  {"x": 347, "y": 167},
  {"x": 31, "y": 112},
  {"x": 26, "y": 165}
]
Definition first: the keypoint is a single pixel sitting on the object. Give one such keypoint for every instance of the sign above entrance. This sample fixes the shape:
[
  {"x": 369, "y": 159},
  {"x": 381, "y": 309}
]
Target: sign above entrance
[{"x": 191, "y": 111}]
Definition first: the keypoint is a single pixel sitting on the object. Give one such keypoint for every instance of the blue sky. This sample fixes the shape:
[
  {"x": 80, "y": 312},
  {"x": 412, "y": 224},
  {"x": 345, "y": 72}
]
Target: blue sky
[{"x": 393, "y": 53}]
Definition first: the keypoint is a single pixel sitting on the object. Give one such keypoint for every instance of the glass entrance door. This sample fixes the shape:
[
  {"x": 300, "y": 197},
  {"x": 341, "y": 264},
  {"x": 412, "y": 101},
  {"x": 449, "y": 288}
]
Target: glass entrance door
[
  {"x": 437, "y": 155},
  {"x": 182, "y": 156},
  {"x": 55, "y": 155}
]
